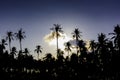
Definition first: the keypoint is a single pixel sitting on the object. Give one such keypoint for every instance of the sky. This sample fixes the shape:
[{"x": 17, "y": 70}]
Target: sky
[{"x": 36, "y": 17}]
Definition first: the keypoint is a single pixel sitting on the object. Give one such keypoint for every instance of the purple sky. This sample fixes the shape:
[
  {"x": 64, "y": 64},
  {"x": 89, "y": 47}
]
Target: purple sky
[{"x": 36, "y": 17}]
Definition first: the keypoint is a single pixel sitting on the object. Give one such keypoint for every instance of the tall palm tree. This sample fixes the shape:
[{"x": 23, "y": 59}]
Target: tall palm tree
[
  {"x": 116, "y": 36},
  {"x": 68, "y": 47},
  {"x": 20, "y": 35},
  {"x": 76, "y": 35},
  {"x": 57, "y": 30},
  {"x": 10, "y": 38},
  {"x": 38, "y": 50}
]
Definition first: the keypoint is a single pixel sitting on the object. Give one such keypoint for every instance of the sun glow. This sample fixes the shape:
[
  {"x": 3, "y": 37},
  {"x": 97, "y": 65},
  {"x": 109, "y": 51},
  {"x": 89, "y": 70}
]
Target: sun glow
[{"x": 61, "y": 41}]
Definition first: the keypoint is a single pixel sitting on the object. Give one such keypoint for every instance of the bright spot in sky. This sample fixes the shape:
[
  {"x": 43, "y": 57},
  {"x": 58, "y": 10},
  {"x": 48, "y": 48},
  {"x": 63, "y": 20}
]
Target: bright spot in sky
[{"x": 61, "y": 41}]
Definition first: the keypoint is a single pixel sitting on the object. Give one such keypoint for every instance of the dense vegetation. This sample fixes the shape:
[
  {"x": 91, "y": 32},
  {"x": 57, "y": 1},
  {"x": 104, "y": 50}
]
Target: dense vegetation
[{"x": 100, "y": 63}]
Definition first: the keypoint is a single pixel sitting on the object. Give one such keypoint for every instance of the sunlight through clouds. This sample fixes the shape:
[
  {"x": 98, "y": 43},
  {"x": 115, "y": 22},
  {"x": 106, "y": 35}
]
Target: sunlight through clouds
[
  {"x": 51, "y": 39},
  {"x": 63, "y": 38}
]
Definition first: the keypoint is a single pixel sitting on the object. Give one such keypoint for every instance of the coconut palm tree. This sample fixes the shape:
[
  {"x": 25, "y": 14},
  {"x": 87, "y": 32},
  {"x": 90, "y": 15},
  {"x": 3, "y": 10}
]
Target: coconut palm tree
[
  {"x": 102, "y": 41},
  {"x": 2, "y": 45},
  {"x": 20, "y": 35},
  {"x": 57, "y": 30},
  {"x": 92, "y": 45},
  {"x": 68, "y": 47},
  {"x": 38, "y": 50},
  {"x": 81, "y": 46},
  {"x": 76, "y": 35},
  {"x": 9, "y": 37},
  {"x": 116, "y": 36},
  {"x": 26, "y": 51},
  {"x": 13, "y": 52}
]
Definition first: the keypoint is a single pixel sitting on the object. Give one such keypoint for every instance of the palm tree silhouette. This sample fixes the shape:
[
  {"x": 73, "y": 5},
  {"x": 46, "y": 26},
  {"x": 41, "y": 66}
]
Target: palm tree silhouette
[
  {"x": 76, "y": 35},
  {"x": 92, "y": 45},
  {"x": 3, "y": 42},
  {"x": 2, "y": 45},
  {"x": 81, "y": 46},
  {"x": 68, "y": 47},
  {"x": 57, "y": 30},
  {"x": 13, "y": 51},
  {"x": 38, "y": 50},
  {"x": 20, "y": 35},
  {"x": 102, "y": 38},
  {"x": 101, "y": 41},
  {"x": 10, "y": 38},
  {"x": 116, "y": 36},
  {"x": 26, "y": 51}
]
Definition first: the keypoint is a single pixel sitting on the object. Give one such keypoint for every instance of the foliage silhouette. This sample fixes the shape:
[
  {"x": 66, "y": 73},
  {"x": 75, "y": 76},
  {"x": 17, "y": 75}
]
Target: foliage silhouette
[
  {"x": 76, "y": 35},
  {"x": 9, "y": 37},
  {"x": 20, "y": 35},
  {"x": 116, "y": 36},
  {"x": 101, "y": 63},
  {"x": 38, "y": 50},
  {"x": 68, "y": 47}
]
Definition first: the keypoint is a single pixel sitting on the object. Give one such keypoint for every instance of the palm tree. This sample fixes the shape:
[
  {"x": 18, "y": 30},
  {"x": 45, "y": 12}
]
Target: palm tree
[
  {"x": 102, "y": 38},
  {"x": 2, "y": 45},
  {"x": 26, "y": 51},
  {"x": 116, "y": 36},
  {"x": 76, "y": 35},
  {"x": 92, "y": 45},
  {"x": 20, "y": 35},
  {"x": 38, "y": 50},
  {"x": 81, "y": 46},
  {"x": 101, "y": 41},
  {"x": 57, "y": 30},
  {"x": 13, "y": 52},
  {"x": 9, "y": 38},
  {"x": 68, "y": 47}
]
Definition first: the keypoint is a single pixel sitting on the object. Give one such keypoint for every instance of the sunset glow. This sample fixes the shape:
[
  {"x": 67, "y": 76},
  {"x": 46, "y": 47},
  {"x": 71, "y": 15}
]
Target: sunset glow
[{"x": 61, "y": 41}]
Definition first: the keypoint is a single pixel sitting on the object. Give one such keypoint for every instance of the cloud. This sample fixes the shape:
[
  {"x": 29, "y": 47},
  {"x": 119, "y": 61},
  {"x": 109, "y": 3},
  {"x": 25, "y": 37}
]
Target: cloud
[
  {"x": 51, "y": 40},
  {"x": 50, "y": 37}
]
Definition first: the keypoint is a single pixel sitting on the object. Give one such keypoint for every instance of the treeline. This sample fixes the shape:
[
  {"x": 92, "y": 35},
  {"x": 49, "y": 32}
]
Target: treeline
[{"x": 101, "y": 62}]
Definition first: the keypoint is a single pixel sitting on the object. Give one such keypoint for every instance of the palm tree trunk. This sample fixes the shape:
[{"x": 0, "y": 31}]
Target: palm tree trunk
[
  {"x": 10, "y": 45},
  {"x": 68, "y": 54},
  {"x": 57, "y": 42},
  {"x": 20, "y": 45},
  {"x": 38, "y": 56},
  {"x": 77, "y": 46}
]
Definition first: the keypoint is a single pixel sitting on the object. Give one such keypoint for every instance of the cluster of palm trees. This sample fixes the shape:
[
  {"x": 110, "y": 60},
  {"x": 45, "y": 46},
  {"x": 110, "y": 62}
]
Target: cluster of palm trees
[
  {"x": 81, "y": 44},
  {"x": 20, "y": 35},
  {"x": 100, "y": 63},
  {"x": 57, "y": 30}
]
